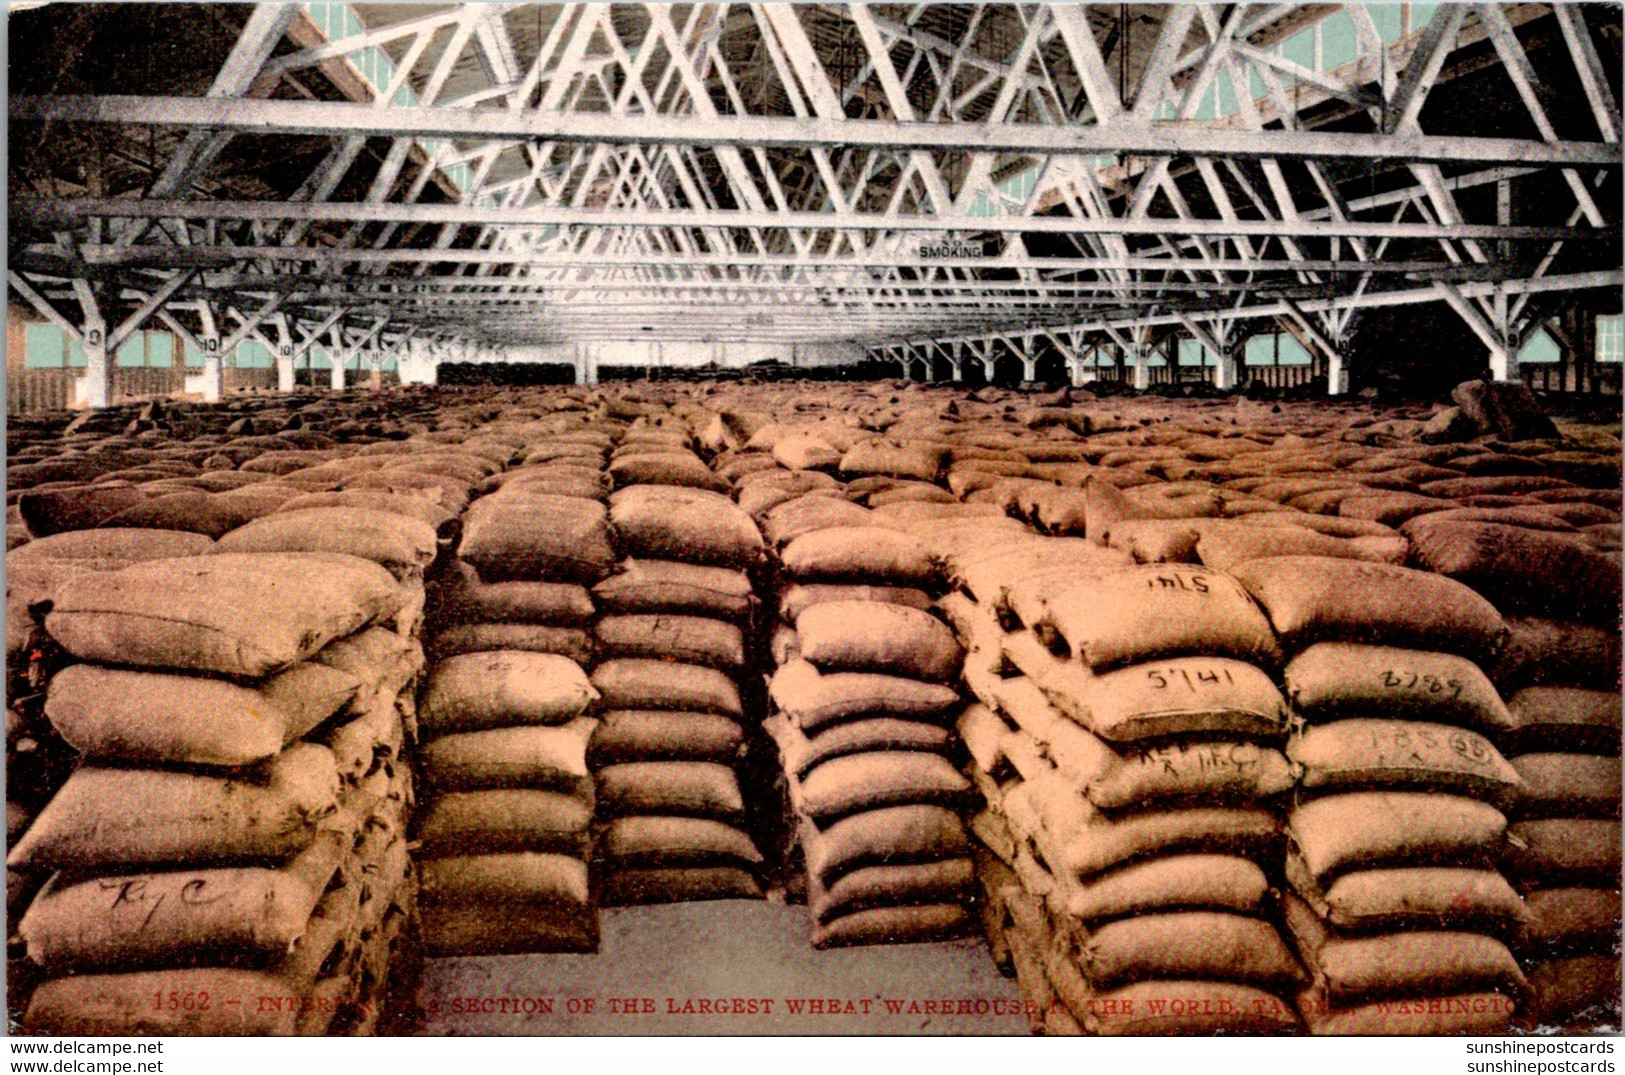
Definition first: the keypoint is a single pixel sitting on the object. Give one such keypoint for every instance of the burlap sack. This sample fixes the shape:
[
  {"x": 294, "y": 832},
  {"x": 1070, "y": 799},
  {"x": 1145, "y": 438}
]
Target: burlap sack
[
  {"x": 1335, "y": 680},
  {"x": 662, "y": 636},
  {"x": 651, "y": 586},
  {"x": 660, "y": 522},
  {"x": 865, "y": 636},
  {"x": 876, "y": 779},
  {"x": 248, "y": 615},
  {"x": 664, "y": 841},
  {"x": 1377, "y": 753},
  {"x": 664, "y": 735},
  {"x": 575, "y": 643},
  {"x": 948, "y": 880},
  {"x": 1169, "y": 883},
  {"x": 1411, "y": 897},
  {"x": 513, "y": 819},
  {"x": 399, "y": 544},
  {"x": 800, "y": 754},
  {"x": 1325, "y": 599},
  {"x": 894, "y": 835},
  {"x": 673, "y": 788},
  {"x": 813, "y": 700},
  {"x": 679, "y": 884},
  {"x": 491, "y": 690},
  {"x": 861, "y": 554},
  {"x": 124, "y": 715},
  {"x": 460, "y": 597},
  {"x": 184, "y": 817},
  {"x": 1180, "y": 945},
  {"x": 1144, "y": 613},
  {"x": 540, "y": 756},
  {"x": 520, "y": 877},
  {"x": 1568, "y": 785},
  {"x": 1407, "y": 963},
  {"x": 894, "y": 925},
  {"x": 537, "y": 537},
  {"x": 628, "y": 683},
  {"x": 1367, "y": 829}
]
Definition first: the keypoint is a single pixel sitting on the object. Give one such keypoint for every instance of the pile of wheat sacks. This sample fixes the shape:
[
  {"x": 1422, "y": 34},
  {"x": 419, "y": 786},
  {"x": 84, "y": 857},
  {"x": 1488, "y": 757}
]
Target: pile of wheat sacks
[
  {"x": 229, "y": 855},
  {"x": 676, "y": 634},
  {"x": 864, "y": 691},
  {"x": 504, "y": 830},
  {"x": 1409, "y": 901},
  {"x": 1210, "y": 716}
]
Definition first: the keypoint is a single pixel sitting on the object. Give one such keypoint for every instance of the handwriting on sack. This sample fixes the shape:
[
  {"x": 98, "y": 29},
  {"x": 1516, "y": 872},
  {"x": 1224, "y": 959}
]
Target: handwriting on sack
[
  {"x": 1421, "y": 683},
  {"x": 1193, "y": 679},
  {"x": 132, "y": 905},
  {"x": 1187, "y": 759},
  {"x": 1424, "y": 745},
  {"x": 1182, "y": 583}
]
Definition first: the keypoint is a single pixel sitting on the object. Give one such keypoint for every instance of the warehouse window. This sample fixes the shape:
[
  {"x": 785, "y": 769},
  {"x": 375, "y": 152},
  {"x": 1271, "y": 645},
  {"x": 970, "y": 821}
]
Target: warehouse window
[
  {"x": 1611, "y": 338},
  {"x": 1389, "y": 20},
  {"x": 338, "y": 21},
  {"x": 1540, "y": 348},
  {"x": 132, "y": 353},
  {"x": 194, "y": 357},
  {"x": 44, "y": 347},
  {"x": 1192, "y": 353},
  {"x": 146, "y": 349},
  {"x": 160, "y": 350},
  {"x": 1275, "y": 349},
  {"x": 253, "y": 355}
]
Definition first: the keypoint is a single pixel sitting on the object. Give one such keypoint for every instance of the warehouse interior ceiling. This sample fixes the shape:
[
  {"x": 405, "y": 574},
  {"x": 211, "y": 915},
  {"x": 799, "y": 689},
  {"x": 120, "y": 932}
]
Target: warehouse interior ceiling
[{"x": 923, "y": 179}]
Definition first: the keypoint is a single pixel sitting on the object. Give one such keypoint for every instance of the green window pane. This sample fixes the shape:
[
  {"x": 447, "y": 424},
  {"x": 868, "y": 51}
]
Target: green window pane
[
  {"x": 1341, "y": 45},
  {"x": 133, "y": 351},
  {"x": 76, "y": 354},
  {"x": 1611, "y": 339},
  {"x": 1292, "y": 352},
  {"x": 1389, "y": 19},
  {"x": 253, "y": 355},
  {"x": 1540, "y": 348},
  {"x": 160, "y": 350},
  {"x": 1300, "y": 48},
  {"x": 388, "y": 364},
  {"x": 194, "y": 357},
  {"x": 319, "y": 359},
  {"x": 1261, "y": 350},
  {"x": 43, "y": 347}
]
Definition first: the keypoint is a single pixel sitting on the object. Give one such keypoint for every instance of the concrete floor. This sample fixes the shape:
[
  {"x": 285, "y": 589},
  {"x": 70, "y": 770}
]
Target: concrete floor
[{"x": 661, "y": 962}]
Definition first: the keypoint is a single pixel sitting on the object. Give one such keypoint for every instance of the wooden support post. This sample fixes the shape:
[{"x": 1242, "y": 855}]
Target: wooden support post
[
  {"x": 284, "y": 357},
  {"x": 95, "y": 388},
  {"x": 1226, "y": 367}
]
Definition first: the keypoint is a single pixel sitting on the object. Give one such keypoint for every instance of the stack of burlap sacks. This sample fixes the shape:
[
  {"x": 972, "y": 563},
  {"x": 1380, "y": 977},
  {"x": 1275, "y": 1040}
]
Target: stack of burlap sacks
[
  {"x": 1400, "y": 815},
  {"x": 95, "y": 502},
  {"x": 230, "y": 857},
  {"x": 505, "y": 832},
  {"x": 674, "y": 638},
  {"x": 1559, "y": 674},
  {"x": 863, "y": 693},
  {"x": 1563, "y": 852},
  {"x": 1128, "y": 745},
  {"x": 1394, "y": 900}
]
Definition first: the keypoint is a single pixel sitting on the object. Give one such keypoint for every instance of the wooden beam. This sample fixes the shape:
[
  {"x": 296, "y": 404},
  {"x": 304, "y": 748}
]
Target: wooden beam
[
  {"x": 54, "y": 212},
  {"x": 1138, "y": 137}
]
